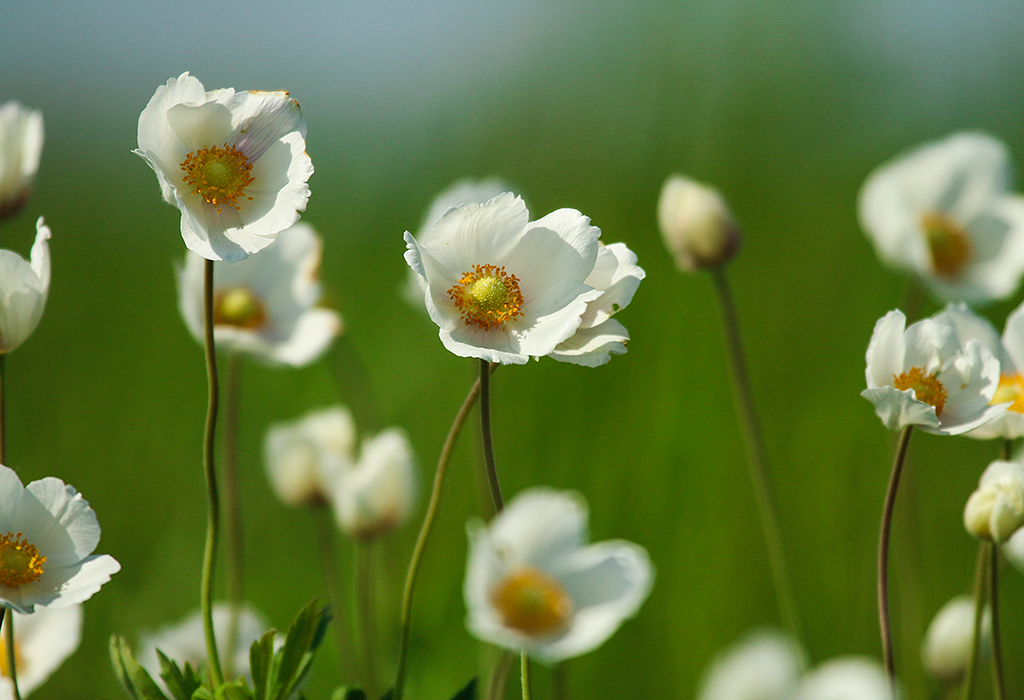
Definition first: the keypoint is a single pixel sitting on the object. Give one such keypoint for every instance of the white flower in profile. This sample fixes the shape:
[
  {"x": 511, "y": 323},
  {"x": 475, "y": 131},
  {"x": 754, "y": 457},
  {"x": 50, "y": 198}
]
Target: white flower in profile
[
  {"x": 945, "y": 211},
  {"x": 924, "y": 376},
  {"x": 846, "y": 678},
  {"x": 996, "y": 508},
  {"x": 24, "y": 286},
  {"x": 950, "y": 637},
  {"x": 42, "y": 642},
  {"x": 764, "y": 665},
  {"x": 1014, "y": 549},
  {"x": 534, "y": 585},
  {"x": 265, "y": 306},
  {"x": 377, "y": 493},
  {"x": 46, "y": 554},
  {"x": 234, "y": 163},
  {"x": 500, "y": 287},
  {"x": 304, "y": 458},
  {"x": 21, "y": 143},
  {"x": 696, "y": 224}
]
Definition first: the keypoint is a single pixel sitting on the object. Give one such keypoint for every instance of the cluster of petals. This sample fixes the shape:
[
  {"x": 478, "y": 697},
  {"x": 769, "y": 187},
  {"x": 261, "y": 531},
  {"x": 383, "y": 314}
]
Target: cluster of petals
[
  {"x": 533, "y": 584},
  {"x": 946, "y": 212},
  {"x": 925, "y": 376},
  {"x": 265, "y": 306},
  {"x": 24, "y": 286},
  {"x": 234, "y": 163},
  {"x": 21, "y": 143},
  {"x": 42, "y": 642},
  {"x": 504, "y": 289},
  {"x": 949, "y": 641},
  {"x": 995, "y": 510}
]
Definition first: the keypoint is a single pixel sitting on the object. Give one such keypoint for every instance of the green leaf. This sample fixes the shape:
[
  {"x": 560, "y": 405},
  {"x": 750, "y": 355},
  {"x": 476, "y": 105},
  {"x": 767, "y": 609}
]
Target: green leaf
[
  {"x": 261, "y": 658},
  {"x": 135, "y": 679},
  {"x": 235, "y": 690},
  {"x": 292, "y": 661},
  {"x": 181, "y": 683},
  {"x": 203, "y": 692},
  {"x": 468, "y": 692}
]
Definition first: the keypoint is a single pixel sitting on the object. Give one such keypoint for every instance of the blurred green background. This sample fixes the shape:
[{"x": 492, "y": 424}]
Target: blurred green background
[{"x": 785, "y": 106}]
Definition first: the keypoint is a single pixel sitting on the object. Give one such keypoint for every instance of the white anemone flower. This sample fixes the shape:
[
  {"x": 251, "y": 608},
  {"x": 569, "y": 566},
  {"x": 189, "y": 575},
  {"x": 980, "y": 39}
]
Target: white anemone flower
[
  {"x": 304, "y": 458},
  {"x": 764, "y": 665},
  {"x": 24, "y": 286},
  {"x": 534, "y": 585},
  {"x": 265, "y": 306},
  {"x": 996, "y": 508},
  {"x": 1014, "y": 549},
  {"x": 42, "y": 642},
  {"x": 234, "y": 163},
  {"x": 46, "y": 554},
  {"x": 846, "y": 678},
  {"x": 503, "y": 288},
  {"x": 946, "y": 212},
  {"x": 377, "y": 493},
  {"x": 21, "y": 143},
  {"x": 949, "y": 641},
  {"x": 924, "y": 376}
]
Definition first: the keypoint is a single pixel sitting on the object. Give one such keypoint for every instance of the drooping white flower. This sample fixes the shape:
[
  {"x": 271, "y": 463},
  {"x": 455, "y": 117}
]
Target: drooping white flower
[
  {"x": 305, "y": 458},
  {"x": 996, "y": 509},
  {"x": 265, "y": 306},
  {"x": 950, "y": 637},
  {"x": 945, "y": 211},
  {"x": 696, "y": 224},
  {"x": 503, "y": 288},
  {"x": 846, "y": 678},
  {"x": 234, "y": 163},
  {"x": 46, "y": 554},
  {"x": 21, "y": 143},
  {"x": 764, "y": 665},
  {"x": 533, "y": 584},
  {"x": 376, "y": 495},
  {"x": 924, "y": 376},
  {"x": 42, "y": 642},
  {"x": 24, "y": 286}
]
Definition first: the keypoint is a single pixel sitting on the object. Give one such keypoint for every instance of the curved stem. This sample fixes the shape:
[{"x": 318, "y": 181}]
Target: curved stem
[
  {"x": 7, "y": 616},
  {"x": 998, "y": 683},
  {"x": 979, "y": 615},
  {"x": 526, "y": 677},
  {"x": 485, "y": 433},
  {"x": 883, "y": 556},
  {"x": 233, "y": 511},
  {"x": 364, "y": 608}
]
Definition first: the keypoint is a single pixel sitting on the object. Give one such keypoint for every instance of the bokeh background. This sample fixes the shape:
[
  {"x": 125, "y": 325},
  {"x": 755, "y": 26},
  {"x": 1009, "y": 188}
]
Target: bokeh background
[{"x": 785, "y": 106}]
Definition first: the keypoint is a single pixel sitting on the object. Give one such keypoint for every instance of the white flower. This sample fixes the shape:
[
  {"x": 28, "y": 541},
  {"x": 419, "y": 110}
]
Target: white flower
[
  {"x": 534, "y": 585},
  {"x": 924, "y": 376},
  {"x": 996, "y": 509},
  {"x": 21, "y": 142},
  {"x": 376, "y": 494},
  {"x": 846, "y": 678},
  {"x": 764, "y": 665},
  {"x": 945, "y": 211},
  {"x": 696, "y": 224},
  {"x": 948, "y": 643},
  {"x": 304, "y": 458},
  {"x": 46, "y": 554},
  {"x": 502, "y": 288},
  {"x": 234, "y": 163},
  {"x": 265, "y": 306},
  {"x": 1014, "y": 549},
  {"x": 24, "y": 286},
  {"x": 42, "y": 642}
]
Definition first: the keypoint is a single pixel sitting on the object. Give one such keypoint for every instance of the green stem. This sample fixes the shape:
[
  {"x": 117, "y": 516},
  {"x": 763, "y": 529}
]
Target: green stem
[
  {"x": 757, "y": 456},
  {"x": 980, "y": 571},
  {"x": 233, "y": 511},
  {"x": 364, "y": 610},
  {"x": 560, "y": 682},
  {"x": 499, "y": 677},
  {"x": 1007, "y": 449},
  {"x": 527, "y": 682},
  {"x": 12, "y": 651},
  {"x": 323, "y": 521},
  {"x": 485, "y": 434},
  {"x": 998, "y": 683},
  {"x": 884, "y": 622}
]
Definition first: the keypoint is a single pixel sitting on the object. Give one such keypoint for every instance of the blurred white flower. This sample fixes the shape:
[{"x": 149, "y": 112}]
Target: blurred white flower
[
  {"x": 305, "y": 457},
  {"x": 996, "y": 509},
  {"x": 534, "y": 585},
  {"x": 948, "y": 643},
  {"x": 24, "y": 286},
  {"x": 42, "y": 642},
  {"x": 1014, "y": 549},
  {"x": 234, "y": 163},
  {"x": 375, "y": 495},
  {"x": 46, "y": 554},
  {"x": 924, "y": 376},
  {"x": 845, "y": 678},
  {"x": 945, "y": 211},
  {"x": 21, "y": 143},
  {"x": 696, "y": 224},
  {"x": 764, "y": 665},
  {"x": 265, "y": 306}
]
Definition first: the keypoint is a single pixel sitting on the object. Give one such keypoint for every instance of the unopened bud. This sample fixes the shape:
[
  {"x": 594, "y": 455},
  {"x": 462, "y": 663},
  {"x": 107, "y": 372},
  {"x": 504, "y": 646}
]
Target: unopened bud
[
  {"x": 948, "y": 643},
  {"x": 996, "y": 509},
  {"x": 696, "y": 224}
]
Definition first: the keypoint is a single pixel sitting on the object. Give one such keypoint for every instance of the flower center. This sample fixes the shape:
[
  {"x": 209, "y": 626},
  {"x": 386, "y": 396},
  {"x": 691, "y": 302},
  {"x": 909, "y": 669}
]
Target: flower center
[
  {"x": 1011, "y": 391},
  {"x": 239, "y": 307},
  {"x": 927, "y": 388},
  {"x": 218, "y": 175},
  {"x": 532, "y": 602},
  {"x": 20, "y": 562},
  {"x": 487, "y": 296},
  {"x": 948, "y": 243}
]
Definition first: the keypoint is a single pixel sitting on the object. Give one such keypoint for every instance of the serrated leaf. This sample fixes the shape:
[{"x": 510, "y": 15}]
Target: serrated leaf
[
  {"x": 203, "y": 692},
  {"x": 181, "y": 683},
  {"x": 135, "y": 679},
  {"x": 468, "y": 692},
  {"x": 235, "y": 690},
  {"x": 261, "y": 657},
  {"x": 292, "y": 661}
]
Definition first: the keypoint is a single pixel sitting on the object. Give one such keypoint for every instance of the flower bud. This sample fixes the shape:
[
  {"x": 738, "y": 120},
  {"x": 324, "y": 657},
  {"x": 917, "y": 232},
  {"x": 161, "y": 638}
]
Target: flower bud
[
  {"x": 21, "y": 142},
  {"x": 304, "y": 458},
  {"x": 377, "y": 494},
  {"x": 696, "y": 224},
  {"x": 950, "y": 637},
  {"x": 996, "y": 509}
]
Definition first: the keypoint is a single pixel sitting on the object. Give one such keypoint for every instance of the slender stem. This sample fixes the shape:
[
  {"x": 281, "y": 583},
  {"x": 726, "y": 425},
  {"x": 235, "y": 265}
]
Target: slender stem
[
  {"x": 232, "y": 508},
  {"x": 998, "y": 683},
  {"x": 364, "y": 609},
  {"x": 485, "y": 433},
  {"x": 213, "y": 512},
  {"x": 883, "y": 556},
  {"x": 499, "y": 677},
  {"x": 560, "y": 682},
  {"x": 979, "y": 615},
  {"x": 1007, "y": 449},
  {"x": 421, "y": 540},
  {"x": 12, "y": 652},
  {"x": 757, "y": 456},
  {"x": 527, "y": 682},
  {"x": 323, "y": 521}
]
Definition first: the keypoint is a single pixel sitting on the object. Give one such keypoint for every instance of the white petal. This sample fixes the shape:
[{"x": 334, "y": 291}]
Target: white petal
[
  {"x": 45, "y": 639},
  {"x": 764, "y": 665},
  {"x": 886, "y": 350},
  {"x": 592, "y": 347},
  {"x": 88, "y": 577},
  {"x": 846, "y": 678},
  {"x": 71, "y": 532},
  {"x": 24, "y": 287},
  {"x": 898, "y": 409}
]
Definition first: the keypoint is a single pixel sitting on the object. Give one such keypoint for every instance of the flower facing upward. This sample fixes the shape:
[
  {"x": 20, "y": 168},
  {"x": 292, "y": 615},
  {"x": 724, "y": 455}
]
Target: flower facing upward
[
  {"x": 996, "y": 509},
  {"x": 24, "y": 286},
  {"x": 21, "y": 143},
  {"x": 42, "y": 642},
  {"x": 265, "y": 306},
  {"x": 945, "y": 211},
  {"x": 376, "y": 494},
  {"x": 304, "y": 458},
  {"x": 234, "y": 163},
  {"x": 923, "y": 375},
  {"x": 46, "y": 554},
  {"x": 534, "y": 585}
]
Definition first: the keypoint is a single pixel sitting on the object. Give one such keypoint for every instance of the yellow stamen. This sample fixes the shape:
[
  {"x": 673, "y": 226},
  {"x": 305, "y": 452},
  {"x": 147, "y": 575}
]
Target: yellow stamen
[
  {"x": 948, "y": 243},
  {"x": 218, "y": 175},
  {"x": 1011, "y": 391},
  {"x": 926, "y": 387},
  {"x": 20, "y": 562},
  {"x": 532, "y": 602},
  {"x": 239, "y": 307},
  {"x": 487, "y": 296}
]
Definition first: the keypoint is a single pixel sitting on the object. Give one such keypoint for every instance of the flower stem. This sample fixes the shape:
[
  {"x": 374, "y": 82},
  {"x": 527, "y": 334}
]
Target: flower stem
[
  {"x": 325, "y": 537},
  {"x": 213, "y": 512},
  {"x": 998, "y": 684},
  {"x": 527, "y": 682},
  {"x": 421, "y": 540},
  {"x": 12, "y": 652},
  {"x": 232, "y": 507},
  {"x": 364, "y": 608},
  {"x": 757, "y": 456},
  {"x": 883, "y": 557},
  {"x": 485, "y": 433},
  {"x": 560, "y": 682},
  {"x": 979, "y": 614},
  {"x": 499, "y": 677}
]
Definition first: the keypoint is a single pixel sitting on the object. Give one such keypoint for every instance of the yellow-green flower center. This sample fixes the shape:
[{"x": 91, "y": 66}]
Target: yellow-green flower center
[
  {"x": 239, "y": 307},
  {"x": 1011, "y": 391},
  {"x": 927, "y": 388},
  {"x": 948, "y": 244},
  {"x": 218, "y": 175},
  {"x": 532, "y": 602},
  {"x": 487, "y": 296},
  {"x": 20, "y": 562}
]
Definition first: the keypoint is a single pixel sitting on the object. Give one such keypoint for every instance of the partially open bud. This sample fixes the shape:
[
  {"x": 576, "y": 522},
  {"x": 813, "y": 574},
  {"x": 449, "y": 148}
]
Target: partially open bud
[
  {"x": 696, "y": 224},
  {"x": 996, "y": 509},
  {"x": 21, "y": 142},
  {"x": 377, "y": 494},
  {"x": 947, "y": 644}
]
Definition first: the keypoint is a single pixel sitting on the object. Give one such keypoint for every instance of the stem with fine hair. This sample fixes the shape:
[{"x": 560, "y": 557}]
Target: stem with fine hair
[
  {"x": 980, "y": 572},
  {"x": 884, "y": 622},
  {"x": 527, "y": 682},
  {"x": 998, "y": 684},
  {"x": 213, "y": 511},
  {"x": 757, "y": 455},
  {"x": 232, "y": 507},
  {"x": 485, "y": 434},
  {"x": 365, "y": 609},
  {"x": 7, "y": 616}
]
